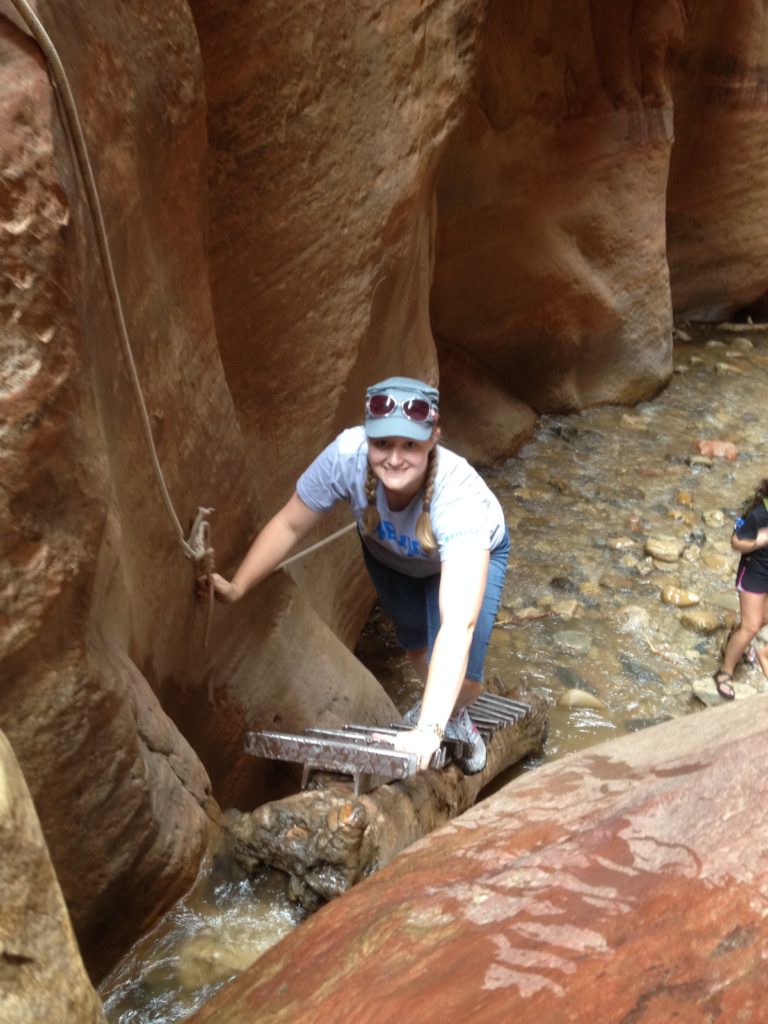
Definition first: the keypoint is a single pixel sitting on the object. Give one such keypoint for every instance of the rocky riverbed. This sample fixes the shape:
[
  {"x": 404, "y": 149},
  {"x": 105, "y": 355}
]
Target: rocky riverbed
[{"x": 618, "y": 597}]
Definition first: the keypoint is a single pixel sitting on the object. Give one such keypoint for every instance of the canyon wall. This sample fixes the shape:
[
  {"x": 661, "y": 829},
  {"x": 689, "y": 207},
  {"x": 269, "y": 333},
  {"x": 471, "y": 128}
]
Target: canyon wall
[{"x": 301, "y": 200}]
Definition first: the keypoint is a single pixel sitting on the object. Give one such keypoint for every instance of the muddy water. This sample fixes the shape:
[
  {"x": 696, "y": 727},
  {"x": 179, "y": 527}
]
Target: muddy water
[{"x": 584, "y": 620}]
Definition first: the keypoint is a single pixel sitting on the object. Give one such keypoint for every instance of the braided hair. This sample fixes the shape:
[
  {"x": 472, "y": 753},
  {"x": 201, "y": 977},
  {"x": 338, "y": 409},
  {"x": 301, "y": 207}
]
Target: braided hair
[{"x": 424, "y": 533}]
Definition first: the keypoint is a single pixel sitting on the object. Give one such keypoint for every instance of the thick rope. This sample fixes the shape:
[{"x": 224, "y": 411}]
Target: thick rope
[
  {"x": 314, "y": 547},
  {"x": 62, "y": 87}
]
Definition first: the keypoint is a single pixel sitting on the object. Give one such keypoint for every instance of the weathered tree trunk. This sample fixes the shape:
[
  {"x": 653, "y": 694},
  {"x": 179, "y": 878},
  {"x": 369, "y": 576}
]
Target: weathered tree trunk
[{"x": 327, "y": 839}]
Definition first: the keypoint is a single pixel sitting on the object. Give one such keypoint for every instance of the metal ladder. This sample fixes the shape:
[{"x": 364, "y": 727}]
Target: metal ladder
[{"x": 353, "y": 750}]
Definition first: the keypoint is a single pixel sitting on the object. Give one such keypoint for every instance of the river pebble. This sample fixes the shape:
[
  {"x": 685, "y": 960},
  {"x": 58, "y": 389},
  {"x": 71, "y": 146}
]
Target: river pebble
[
  {"x": 677, "y": 596},
  {"x": 663, "y": 548}
]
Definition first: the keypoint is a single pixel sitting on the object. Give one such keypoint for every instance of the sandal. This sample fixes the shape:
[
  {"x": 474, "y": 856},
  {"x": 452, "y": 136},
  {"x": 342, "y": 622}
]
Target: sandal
[{"x": 724, "y": 684}]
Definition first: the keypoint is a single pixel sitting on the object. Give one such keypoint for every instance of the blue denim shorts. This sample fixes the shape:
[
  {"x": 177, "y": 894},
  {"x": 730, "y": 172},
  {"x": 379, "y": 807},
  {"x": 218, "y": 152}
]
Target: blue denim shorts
[{"x": 412, "y": 602}]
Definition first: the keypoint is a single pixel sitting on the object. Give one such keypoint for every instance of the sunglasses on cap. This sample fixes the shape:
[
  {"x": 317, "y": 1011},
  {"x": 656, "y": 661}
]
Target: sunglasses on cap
[{"x": 417, "y": 409}]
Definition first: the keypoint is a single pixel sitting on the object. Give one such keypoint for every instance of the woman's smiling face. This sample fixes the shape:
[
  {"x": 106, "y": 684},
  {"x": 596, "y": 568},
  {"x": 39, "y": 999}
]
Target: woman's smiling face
[{"x": 401, "y": 465}]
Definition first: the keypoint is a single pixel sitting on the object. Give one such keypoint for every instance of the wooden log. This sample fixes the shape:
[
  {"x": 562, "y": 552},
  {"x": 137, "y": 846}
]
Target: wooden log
[{"x": 328, "y": 839}]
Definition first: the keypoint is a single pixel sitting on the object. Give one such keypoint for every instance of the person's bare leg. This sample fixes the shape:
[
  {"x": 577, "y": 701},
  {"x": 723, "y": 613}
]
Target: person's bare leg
[{"x": 751, "y": 620}]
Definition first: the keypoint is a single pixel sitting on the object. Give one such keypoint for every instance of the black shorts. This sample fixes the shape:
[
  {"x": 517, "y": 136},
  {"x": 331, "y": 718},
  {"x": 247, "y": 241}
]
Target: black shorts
[{"x": 751, "y": 576}]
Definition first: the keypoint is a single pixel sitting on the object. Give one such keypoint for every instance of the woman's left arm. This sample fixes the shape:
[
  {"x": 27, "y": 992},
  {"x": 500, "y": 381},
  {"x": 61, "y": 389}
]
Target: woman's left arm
[{"x": 462, "y": 588}]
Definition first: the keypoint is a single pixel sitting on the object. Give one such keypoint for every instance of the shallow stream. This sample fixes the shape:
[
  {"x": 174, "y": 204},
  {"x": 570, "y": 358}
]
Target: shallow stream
[{"x": 618, "y": 596}]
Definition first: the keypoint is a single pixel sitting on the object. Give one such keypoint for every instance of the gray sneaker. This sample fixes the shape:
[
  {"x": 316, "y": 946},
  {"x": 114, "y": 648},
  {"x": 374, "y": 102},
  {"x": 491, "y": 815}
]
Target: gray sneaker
[{"x": 461, "y": 727}]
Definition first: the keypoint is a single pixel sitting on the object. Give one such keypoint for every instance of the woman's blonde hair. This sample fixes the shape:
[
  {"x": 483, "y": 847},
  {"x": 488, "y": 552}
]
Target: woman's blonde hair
[{"x": 424, "y": 533}]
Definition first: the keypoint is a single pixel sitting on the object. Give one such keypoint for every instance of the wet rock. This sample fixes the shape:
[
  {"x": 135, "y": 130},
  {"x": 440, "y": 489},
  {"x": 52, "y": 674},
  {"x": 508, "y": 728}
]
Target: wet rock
[
  {"x": 621, "y": 543},
  {"x": 633, "y": 619},
  {"x": 616, "y": 582},
  {"x": 572, "y": 642},
  {"x": 701, "y": 620},
  {"x": 565, "y": 609},
  {"x": 590, "y": 588},
  {"x": 700, "y": 460},
  {"x": 664, "y": 566},
  {"x": 572, "y": 680},
  {"x": 705, "y": 690},
  {"x": 713, "y": 517},
  {"x": 672, "y": 594},
  {"x": 564, "y": 583},
  {"x": 663, "y": 548},
  {"x": 742, "y": 345},
  {"x": 634, "y": 422},
  {"x": 208, "y": 958},
  {"x": 629, "y": 562},
  {"x": 531, "y": 612},
  {"x": 679, "y": 515},
  {"x": 718, "y": 449},
  {"x": 42, "y": 977},
  {"x": 718, "y": 563},
  {"x": 578, "y": 698},
  {"x": 639, "y": 670}
]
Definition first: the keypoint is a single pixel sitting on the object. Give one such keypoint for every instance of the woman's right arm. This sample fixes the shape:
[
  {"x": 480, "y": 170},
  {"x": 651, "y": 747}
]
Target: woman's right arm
[{"x": 271, "y": 546}]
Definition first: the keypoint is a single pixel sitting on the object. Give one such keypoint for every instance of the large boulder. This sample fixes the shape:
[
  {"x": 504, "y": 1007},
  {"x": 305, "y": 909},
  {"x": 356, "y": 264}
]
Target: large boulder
[
  {"x": 624, "y": 883},
  {"x": 42, "y": 977}
]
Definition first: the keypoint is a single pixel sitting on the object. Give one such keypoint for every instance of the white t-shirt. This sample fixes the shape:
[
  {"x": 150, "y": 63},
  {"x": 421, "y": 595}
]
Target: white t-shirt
[{"x": 464, "y": 512}]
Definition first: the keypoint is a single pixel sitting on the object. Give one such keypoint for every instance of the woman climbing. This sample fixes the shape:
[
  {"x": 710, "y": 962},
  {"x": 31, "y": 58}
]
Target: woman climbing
[
  {"x": 434, "y": 542},
  {"x": 750, "y": 539}
]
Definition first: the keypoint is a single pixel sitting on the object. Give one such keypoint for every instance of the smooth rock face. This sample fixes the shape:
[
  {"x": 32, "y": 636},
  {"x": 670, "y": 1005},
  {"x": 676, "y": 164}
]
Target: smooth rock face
[
  {"x": 326, "y": 124},
  {"x": 718, "y": 184},
  {"x": 620, "y": 884},
  {"x": 550, "y": 249},
  {"x": 42, "y": 977}
]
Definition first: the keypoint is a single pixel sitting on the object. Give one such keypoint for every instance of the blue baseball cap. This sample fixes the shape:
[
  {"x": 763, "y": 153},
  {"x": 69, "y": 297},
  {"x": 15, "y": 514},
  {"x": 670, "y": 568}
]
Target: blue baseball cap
[{"x": 401, "y": 407}]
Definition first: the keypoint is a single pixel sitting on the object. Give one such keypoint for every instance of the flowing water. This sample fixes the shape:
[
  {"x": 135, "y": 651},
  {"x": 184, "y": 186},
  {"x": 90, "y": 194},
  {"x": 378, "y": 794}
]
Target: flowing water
[{"x": 613, "y": 638}]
